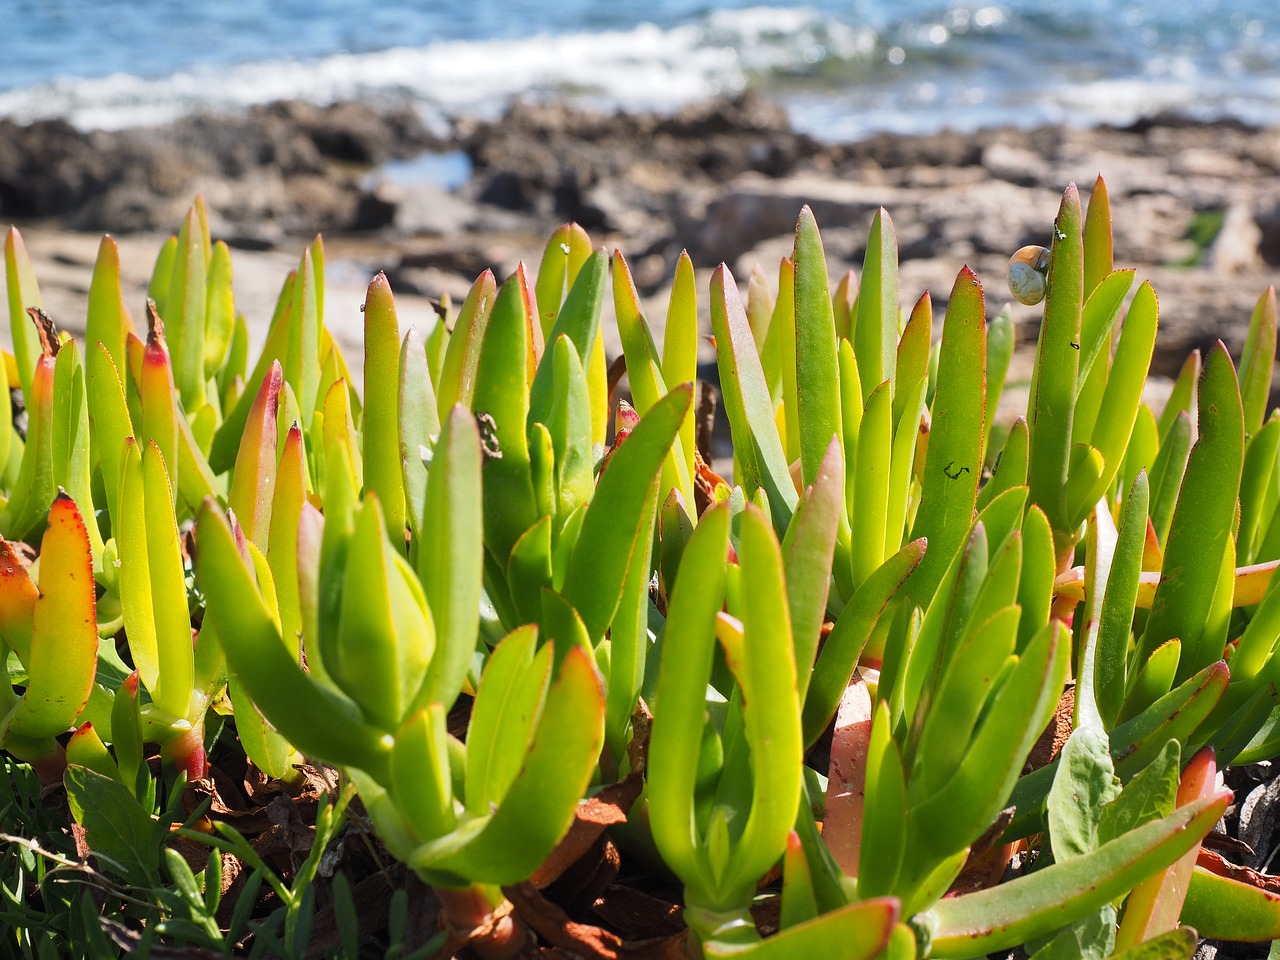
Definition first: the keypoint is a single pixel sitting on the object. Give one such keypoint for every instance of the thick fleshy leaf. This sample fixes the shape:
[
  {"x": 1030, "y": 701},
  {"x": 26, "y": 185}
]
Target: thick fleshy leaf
[
  {"x": 540, "y": 804},
  {"x": 108, "y": 319},
  {"x": 1220, "y": 907},
  {"x": 817, "y": 394},
  {"x": 1115, "y": 621},
  {"x": 184, "y": 312},
  {"x": 766, "y": 673},
  {"x": 253, "y": 483},
  {"x": 1097, "y": 237},
  {"x": 1053, "y": 385},
  {"x": 579, "y": 320},
  {"x": 63, "y": 651},
  {"x": 808, "y": 548},
  {"x": 451, "y": 556},
  {"x": 1202, "y": 521},
  {"x": 1257, "y": 361},
  {"x": 875, "y": 338},
  {"x": 420, "y": 773},
  {"x": 18, "y": 594},
  {"x": 680, "y": 344},
  {"x": 859, "y": 931},
  {"x": 226, "y": 442},
  {"x": 302, "y": 359},
  {"x": 610, "y": 529},
  {"x": 418, "y": 427},
  {"x": 869, "y": 516},
  {"x": 462, "y": 355},
  {"x": 852, "y": 630},
  {"x": 747, "y": 403},
  {"x": 380, "y": 435},
  {"x": 953, "y": 465},
  {"x": 314, "y": 717},
  {"x": 513, "y": 689},
  {"x": 687, "y": 654},
  {"x": 220, "y": 310},
  {"x": 1097, "y": 321},
  {"x": 282, "y": 544},
  {"x": 1046, "y": 900},
  {"x": 644, "y": 369},
  {"x": 1122, "y": 395},
  {"x": 501, "y": 404},
  {"x": 23, "y": 293}
]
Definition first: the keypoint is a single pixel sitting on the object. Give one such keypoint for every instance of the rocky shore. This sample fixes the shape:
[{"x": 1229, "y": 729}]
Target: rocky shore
[{"x": 1197, "y": 205}]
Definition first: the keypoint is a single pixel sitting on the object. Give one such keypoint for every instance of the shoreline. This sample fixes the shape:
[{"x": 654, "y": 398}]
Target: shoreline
[{"x": 723, "y": 178}]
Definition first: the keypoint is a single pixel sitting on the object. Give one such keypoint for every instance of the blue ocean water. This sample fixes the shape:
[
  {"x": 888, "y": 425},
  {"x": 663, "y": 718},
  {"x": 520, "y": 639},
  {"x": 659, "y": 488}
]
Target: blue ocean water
[{"x": 843, "y": 69}]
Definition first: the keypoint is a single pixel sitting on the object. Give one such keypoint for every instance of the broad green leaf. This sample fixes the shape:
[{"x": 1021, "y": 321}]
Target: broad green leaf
[
  {"x": 1053, "y": 384},
  {"x": 1202, "y": 521},
  {"x": 1089, "y": 938},
  {"x": 1178, "y": 944},
  {"x": 125, "y": 839},
  {"x": 875, "y": 338},
  {"x": 953, "y": 465},
  {"x": 1040, "y": 902},
  {"x": 1134, "y": 743},
  {"x": 1150, "y": 795},
  {"x": 380, "y": 434},
  {"x": 817, "y": 395},
  {"x": 610, "y": 530},
  {"x": 757, "y": 447},
  {"x": 1084, "y": 784},
  {"x": 315, "y": 718}
]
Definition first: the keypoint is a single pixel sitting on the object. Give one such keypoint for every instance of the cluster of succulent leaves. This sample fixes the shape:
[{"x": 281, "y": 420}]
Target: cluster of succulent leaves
[{"x": 897, "y": 581}]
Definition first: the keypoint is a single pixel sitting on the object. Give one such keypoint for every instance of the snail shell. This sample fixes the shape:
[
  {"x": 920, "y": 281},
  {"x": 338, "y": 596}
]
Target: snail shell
[{"x": 1029, "y": 274}]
